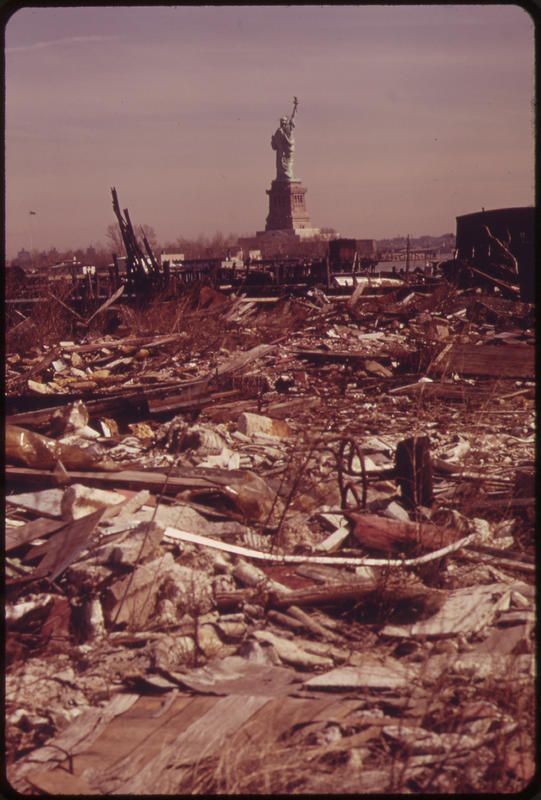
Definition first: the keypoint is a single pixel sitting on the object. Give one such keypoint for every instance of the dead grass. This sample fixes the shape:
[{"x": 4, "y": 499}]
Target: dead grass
[
  {"x": 257, "y": 761},
  {"x": 47, "y": 324},
  {"x": 261, "y": 764}
]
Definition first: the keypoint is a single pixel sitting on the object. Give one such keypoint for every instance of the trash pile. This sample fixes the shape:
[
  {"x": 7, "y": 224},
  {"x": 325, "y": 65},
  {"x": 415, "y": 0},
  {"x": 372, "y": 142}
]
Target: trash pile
[{"x": 273, "y": 547}]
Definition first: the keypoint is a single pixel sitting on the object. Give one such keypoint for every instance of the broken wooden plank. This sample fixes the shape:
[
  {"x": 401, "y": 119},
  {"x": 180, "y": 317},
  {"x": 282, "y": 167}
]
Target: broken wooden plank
[
  {"x": 313, "y": 625},
  {"x": 241, "y": 360},
  {"x": 63, "y": 547},
  {"x": 334, "y": 541},
  {"x": 332, "y": 594},
  {"x": 15, "y": 537},
  {"x": 339, "y": 356},
  {"x": 223, "y": 412},
  {"x": 129, "y": 400},
  {"x": 388, "y": 535},
  {"x": 126, "y": 479}
]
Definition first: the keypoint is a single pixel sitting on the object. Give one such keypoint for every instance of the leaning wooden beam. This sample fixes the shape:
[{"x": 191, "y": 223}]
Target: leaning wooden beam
[
  {"x": 510, "y": 290},
  {"x": 123, "y": 227},
  {"x": 104, "y": 306},
  {"x": 135, "y": 244},
  {"x": 64, "y": 305},
  {"x": 61, "y": 549},
  {"x": 155, "y": 266}
]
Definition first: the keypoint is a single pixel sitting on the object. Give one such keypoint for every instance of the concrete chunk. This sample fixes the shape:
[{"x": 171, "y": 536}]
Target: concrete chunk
[{"x": 250, "y": 424}]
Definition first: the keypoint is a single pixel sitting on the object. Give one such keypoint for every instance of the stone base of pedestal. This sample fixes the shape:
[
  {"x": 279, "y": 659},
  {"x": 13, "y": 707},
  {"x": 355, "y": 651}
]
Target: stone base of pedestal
[
  {"x": 287, "y": 207},
  {"x": 296, "y": 242},
  {"x": 294, "y": 234}
]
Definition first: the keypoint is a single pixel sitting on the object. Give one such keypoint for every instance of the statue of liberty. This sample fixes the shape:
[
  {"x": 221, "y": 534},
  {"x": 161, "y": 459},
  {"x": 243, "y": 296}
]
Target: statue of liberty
[{"x": 283, "y": 142}]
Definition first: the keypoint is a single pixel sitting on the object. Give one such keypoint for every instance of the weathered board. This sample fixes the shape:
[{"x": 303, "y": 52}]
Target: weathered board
[{"x": 496, "y": 361}]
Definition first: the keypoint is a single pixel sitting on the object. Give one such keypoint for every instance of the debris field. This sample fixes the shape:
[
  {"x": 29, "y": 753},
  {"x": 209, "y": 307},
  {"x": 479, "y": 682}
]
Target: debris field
[{"x": 272, "y": 547}]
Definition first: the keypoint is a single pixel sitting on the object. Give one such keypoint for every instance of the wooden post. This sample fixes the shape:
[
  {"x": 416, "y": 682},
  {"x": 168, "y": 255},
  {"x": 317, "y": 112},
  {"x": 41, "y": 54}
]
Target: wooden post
[
  {"x": 116, "y": 269},
  {"x": 408, "y": 256},
  {"x": 166, "y": 275},
  {"x": 413, "y": 467}
]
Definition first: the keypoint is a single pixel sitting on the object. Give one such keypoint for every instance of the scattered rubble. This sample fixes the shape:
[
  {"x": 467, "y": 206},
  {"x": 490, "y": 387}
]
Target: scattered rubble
[{"x": 273, "y": 548}]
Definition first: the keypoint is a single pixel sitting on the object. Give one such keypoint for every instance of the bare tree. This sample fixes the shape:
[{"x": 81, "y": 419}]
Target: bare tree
[{"x": 114, "y": 239}]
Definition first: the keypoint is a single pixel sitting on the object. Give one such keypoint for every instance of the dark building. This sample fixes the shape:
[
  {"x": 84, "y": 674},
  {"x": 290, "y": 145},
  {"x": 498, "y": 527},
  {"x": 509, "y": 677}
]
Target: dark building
[
  {"x": 514, "y": 227},
  {"x": 24, "y": 259},
  {"x": 342, "y": 252}
]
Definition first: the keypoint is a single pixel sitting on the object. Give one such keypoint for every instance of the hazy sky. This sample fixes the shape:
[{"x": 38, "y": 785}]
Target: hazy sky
[{"x": 408, "y": 116}]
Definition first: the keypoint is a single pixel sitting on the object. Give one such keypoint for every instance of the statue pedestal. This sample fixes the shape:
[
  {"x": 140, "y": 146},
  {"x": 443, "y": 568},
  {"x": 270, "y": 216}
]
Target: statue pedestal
[
  {"x": 288, "y": 230},
  {"x": 287, "y": 207}
]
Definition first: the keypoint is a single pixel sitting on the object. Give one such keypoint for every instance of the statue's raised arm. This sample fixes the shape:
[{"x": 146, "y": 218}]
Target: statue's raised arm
[
  {"x": 283, "y": 142},
  {"x": 295, "y": 104}
]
